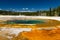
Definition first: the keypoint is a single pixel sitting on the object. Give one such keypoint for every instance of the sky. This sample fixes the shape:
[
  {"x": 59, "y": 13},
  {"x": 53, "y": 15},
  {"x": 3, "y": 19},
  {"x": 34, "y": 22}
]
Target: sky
[{"x": 28, "y": 4}]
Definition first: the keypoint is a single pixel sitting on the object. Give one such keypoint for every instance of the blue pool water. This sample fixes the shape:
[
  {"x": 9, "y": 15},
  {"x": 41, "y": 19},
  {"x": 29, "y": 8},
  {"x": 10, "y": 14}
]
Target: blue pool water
[{"x": 24, "y": 21}]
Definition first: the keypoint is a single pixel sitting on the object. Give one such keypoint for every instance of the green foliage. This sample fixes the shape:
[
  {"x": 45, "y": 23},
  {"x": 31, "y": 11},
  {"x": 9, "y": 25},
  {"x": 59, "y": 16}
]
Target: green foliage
[{"x": 48, "y": 13}]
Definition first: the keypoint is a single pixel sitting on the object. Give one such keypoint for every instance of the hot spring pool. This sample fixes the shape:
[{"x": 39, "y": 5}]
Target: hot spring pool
[{"x": 24, "y": 21}]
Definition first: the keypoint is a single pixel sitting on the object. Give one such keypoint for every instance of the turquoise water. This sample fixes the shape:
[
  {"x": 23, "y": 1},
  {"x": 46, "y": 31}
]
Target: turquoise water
[{"x": 24, "y": 22}]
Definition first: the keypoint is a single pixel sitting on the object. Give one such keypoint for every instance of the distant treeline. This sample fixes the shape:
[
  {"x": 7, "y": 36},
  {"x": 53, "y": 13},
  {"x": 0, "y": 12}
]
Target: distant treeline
[{"x": 50, "y": 12}]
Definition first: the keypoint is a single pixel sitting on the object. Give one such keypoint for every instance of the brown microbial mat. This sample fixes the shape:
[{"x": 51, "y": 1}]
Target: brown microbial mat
[{"x": 53, "y": 34}]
